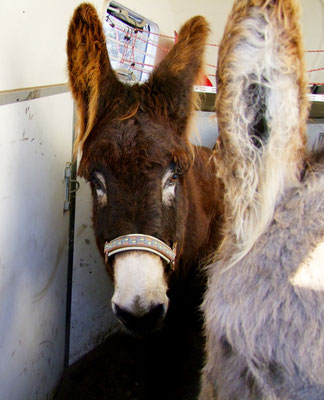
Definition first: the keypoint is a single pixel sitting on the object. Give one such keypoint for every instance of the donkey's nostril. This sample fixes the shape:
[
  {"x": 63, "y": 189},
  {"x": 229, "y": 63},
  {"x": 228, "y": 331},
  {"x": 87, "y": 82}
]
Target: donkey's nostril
[{"x": 148, "y": 322}]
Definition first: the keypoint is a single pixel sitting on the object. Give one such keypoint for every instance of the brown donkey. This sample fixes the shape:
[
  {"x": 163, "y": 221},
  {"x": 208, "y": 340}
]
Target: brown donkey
[
  {"x": 264, "y": 307},
  {"x": 155, "y": 196}
]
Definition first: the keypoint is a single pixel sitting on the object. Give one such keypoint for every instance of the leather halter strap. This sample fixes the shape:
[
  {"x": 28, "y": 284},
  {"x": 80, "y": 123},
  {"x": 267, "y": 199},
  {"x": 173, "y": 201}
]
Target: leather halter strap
[{"x": 141, "y": 242}]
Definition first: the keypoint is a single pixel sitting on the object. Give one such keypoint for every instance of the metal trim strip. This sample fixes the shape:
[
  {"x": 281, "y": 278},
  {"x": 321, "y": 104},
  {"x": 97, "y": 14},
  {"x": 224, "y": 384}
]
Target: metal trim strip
[{"x": 26, "y": 94}]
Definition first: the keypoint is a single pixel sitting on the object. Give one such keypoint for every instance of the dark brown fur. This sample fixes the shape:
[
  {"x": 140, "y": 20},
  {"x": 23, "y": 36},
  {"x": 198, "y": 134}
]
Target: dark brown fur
[{"x": 132, "y": 135}]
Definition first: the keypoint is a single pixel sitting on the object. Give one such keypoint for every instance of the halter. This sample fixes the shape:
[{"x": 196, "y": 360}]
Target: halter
[{"x": 141, "y": 242}]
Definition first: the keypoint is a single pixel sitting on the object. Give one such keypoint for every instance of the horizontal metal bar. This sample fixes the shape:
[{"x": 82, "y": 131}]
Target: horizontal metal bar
[{"x": 17, "y": 96}]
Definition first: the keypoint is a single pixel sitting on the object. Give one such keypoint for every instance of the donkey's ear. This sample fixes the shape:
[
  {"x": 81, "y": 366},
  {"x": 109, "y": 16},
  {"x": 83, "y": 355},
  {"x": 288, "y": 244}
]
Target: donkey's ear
[
  {"x": 175, "y": 76},
  {"x": 261, "y": 81},
  {"x": 92, "y": 80},
  {"x": 262, "y": 109}
]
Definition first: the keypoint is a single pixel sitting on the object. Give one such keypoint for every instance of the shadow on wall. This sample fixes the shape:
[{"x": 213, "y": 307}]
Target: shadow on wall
[{"x": 92, "y": 318}]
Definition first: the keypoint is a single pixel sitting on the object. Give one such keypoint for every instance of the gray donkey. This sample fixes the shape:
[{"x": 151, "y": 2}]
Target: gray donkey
[{"x": 264, "y": 307}]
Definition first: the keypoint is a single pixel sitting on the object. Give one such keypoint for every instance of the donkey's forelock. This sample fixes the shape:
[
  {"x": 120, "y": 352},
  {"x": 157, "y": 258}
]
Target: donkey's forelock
[{"x": 134, "y": 144}]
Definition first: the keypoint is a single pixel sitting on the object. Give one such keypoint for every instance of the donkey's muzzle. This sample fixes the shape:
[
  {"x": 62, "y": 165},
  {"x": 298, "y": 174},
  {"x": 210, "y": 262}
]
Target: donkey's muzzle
[{"x": 148, "y": 322}]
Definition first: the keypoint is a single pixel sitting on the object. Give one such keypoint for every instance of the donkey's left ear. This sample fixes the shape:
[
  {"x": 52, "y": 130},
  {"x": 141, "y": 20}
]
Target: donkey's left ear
[
  {"x": 175, "y": 76},
  {"x": 93, "y": 82}
]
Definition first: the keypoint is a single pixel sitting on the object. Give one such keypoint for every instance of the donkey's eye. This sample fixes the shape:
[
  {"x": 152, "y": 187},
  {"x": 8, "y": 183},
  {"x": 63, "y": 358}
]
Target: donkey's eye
[
  {"x": 98, "y": 183},
  {"x": 169, "y": 181},
  {"x": 173, "y": 179}
]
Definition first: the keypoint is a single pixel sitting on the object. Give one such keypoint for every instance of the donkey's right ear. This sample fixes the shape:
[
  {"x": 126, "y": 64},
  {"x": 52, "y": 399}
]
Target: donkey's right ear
[
  {"x": 175, "y": 76},
  {"x": 92, "y": 79}
]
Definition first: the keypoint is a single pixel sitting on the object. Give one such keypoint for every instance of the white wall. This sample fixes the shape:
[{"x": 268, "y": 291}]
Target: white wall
[
  {"x": 312, "y": 21},
  {"x": 32, "y": 42},
  {"x": 33, "y": 34},
  {"x": 171, "y": 14},
  {"x": 35, "y": 143}
]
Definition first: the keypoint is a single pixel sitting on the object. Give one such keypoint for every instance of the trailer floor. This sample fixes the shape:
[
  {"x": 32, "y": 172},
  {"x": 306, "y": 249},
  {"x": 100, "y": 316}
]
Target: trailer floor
[{"x": 163, "y": 366}]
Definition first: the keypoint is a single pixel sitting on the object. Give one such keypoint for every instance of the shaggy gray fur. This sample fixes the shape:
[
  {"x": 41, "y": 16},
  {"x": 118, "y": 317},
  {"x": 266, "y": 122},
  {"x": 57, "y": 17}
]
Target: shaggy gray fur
[
  {"x": 264, "y": 305},
  {"x": 268, "y": 331}
]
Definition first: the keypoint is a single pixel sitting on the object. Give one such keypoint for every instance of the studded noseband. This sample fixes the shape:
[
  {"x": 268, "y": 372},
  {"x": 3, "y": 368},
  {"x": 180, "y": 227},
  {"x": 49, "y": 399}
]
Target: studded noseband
[{"x": 141, "y": 242}]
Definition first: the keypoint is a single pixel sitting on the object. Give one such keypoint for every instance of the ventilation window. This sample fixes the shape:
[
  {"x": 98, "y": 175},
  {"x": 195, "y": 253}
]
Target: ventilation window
[{"x": 132, "y": 41}]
